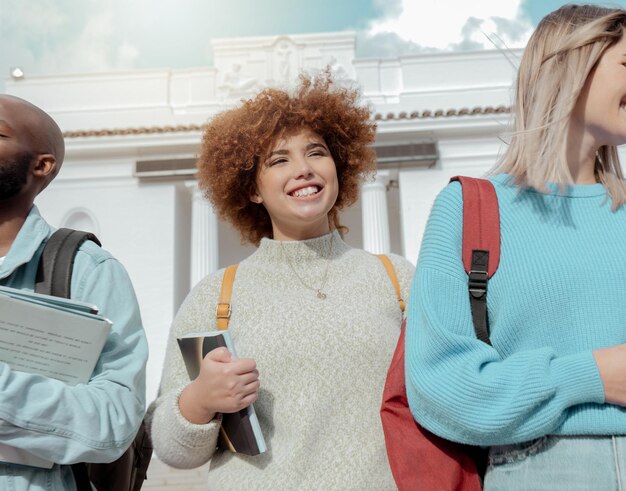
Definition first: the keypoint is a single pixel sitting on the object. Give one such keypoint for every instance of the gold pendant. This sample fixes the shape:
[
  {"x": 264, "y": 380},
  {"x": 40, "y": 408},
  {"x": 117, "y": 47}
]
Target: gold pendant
[{"x": 321, "y": 295}]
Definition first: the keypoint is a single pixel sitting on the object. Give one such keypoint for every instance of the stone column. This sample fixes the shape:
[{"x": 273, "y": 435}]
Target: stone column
[
  {"x": 375, "y": 214},
  {"x": 204, "y": 238}
]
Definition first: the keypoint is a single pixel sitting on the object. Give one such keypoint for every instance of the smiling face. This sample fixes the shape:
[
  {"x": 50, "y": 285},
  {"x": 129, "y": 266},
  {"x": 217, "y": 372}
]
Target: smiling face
[
  {"x": 600, "y": 111},
  {"x": 297, "y": 184}
]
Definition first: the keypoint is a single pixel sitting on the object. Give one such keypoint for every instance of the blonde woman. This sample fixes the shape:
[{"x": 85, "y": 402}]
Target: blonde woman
[
  {"x": 316, "y": 320},
  {"x": 549, "y": 396}
]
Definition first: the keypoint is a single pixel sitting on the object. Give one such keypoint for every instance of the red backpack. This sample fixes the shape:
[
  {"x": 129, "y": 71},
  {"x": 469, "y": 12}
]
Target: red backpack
[{"x": 420, "y": 460}]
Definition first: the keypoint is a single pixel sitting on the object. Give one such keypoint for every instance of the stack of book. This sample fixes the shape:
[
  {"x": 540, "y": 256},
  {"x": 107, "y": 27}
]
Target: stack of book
[{"x": 52, "y": 337}]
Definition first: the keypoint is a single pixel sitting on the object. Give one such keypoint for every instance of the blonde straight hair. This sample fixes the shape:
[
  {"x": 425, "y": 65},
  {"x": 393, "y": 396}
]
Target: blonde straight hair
[{"x": 560, "y": 55}]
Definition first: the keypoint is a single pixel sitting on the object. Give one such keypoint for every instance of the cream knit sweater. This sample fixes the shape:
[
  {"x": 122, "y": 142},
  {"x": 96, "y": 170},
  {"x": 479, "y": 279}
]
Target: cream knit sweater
[{"x": 322, "y": 366}]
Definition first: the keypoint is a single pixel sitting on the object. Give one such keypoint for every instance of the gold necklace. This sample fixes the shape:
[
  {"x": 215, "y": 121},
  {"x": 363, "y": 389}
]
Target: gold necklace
[{"x": 318, "y": 291}]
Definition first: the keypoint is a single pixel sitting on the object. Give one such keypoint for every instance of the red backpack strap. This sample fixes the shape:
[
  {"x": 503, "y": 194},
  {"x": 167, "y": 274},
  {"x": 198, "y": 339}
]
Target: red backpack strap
[{"x": 481, "y": 245}]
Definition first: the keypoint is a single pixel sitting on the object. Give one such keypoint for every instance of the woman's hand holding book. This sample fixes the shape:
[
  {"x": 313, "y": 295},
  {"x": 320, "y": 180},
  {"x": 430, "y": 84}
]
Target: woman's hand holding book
[{"x": 225, "y": 385}]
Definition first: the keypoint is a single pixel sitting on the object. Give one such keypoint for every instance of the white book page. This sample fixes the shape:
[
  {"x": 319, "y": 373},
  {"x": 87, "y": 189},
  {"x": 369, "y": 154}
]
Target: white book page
[
  {"x": 14, "y": 455},
  {"x": 50, "y": 342}
]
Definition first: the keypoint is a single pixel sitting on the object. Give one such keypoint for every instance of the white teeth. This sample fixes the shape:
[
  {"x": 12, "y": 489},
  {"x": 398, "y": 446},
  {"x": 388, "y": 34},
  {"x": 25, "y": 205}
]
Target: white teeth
[{"x": 308, "y": 191}]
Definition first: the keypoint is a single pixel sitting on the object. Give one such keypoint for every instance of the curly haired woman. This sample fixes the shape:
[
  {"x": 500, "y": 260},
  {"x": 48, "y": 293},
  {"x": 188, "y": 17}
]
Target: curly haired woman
[{"x": 317, "y": 319}]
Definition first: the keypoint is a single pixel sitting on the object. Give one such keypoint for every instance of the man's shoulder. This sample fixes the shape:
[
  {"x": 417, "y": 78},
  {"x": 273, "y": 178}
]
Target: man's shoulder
[
  {"x": 91, "y": 259},
  {"x": 92, "y": 252},
  {"x": 94, "y": 265}
]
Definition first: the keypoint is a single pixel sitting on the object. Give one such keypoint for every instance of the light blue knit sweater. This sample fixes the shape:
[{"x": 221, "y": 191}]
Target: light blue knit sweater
[{"x": 559, "y": 293}]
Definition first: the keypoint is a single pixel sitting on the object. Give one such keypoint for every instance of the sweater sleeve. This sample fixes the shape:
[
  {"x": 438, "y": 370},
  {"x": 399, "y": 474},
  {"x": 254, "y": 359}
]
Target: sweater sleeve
[
  {"x": 461, "y": 388},
  {"x": 178, "y": 442}
]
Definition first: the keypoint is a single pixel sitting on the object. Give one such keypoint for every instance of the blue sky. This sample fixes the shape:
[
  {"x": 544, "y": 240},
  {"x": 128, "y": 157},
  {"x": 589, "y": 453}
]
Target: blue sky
[{"x": 82, "y": 36}]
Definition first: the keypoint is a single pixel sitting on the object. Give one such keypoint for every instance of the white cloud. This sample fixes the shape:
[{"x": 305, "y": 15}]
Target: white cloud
[
  {"x": 127, "y": 55},
  {"x": 455, "y": 24},
  {"x": 96, "y": 48},
  {"x": 70, "y": 37}
]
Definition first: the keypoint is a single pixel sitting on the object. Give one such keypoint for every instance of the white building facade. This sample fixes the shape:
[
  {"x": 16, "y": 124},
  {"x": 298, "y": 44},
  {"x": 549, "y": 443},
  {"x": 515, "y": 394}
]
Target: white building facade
[{"x": 132, "y": 139}]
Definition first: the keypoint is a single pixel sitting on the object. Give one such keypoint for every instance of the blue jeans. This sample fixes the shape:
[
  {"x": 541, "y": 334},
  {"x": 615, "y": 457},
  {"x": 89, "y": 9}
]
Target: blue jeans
[{"x": 559, "y": 463}]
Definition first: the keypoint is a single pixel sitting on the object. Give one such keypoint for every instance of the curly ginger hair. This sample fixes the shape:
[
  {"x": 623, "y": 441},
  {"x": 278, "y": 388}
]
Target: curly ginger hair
[{"x": 236, "y": 141}]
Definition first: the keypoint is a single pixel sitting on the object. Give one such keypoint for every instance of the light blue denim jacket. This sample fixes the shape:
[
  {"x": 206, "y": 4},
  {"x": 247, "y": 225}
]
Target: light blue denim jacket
[{"x": 84, "y": 423}]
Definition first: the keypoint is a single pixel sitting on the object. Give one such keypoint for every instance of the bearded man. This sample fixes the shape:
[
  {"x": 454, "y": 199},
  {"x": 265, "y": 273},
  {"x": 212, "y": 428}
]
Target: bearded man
[{"x": 40, "y": 416}]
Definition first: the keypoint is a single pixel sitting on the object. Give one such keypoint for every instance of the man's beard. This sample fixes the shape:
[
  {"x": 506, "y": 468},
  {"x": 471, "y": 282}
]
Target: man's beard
[{"x": 13, "y": 175}]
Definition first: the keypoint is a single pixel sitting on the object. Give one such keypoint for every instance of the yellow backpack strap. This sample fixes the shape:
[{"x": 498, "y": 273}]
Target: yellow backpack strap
[
  {"x": 391, "y": 272},
  {"x": 223, "y": 310}
]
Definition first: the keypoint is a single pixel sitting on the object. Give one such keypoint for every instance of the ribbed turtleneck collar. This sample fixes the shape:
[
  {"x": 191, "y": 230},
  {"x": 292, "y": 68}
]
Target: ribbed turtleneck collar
[
  {"x": 300, "y": 251},
  {"x": 569, "y": 190}
]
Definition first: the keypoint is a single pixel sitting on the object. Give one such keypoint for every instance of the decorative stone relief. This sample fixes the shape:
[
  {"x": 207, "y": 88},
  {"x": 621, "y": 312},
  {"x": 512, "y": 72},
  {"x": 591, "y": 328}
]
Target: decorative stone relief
[
  {"x": 247, "y": 65},
  {"x": 285, "y": 65},
  {"x": 338, "y": 70},
  {"x": 236, "y": 83}
]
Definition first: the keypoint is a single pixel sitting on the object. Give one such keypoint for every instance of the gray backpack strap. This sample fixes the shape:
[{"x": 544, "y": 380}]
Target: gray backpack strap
[{"x": 54, "y": 273}]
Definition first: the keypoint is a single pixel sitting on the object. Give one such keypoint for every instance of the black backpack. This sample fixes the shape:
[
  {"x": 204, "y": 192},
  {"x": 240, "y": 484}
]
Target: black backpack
[{"x": 54, "y": 276}]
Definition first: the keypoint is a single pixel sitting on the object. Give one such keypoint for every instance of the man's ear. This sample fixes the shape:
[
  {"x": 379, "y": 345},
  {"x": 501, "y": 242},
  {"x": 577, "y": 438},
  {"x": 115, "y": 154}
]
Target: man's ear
[
  {"x": 45, "y": 170},
  {"x": 45, "y": 166}
]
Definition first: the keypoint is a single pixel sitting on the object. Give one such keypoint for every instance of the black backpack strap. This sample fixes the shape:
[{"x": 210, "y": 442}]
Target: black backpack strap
[
  {"x": 54, "y": 274},
  {"x": 477, "y": 285}
]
